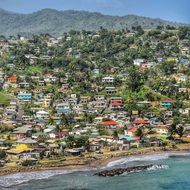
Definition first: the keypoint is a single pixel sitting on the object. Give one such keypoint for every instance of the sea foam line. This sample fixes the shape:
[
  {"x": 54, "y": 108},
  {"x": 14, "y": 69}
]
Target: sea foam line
[
  {"x": 138, "y": 158},
  {"x": 145, "y": 158},
  {"x": 23, "y": 177}
]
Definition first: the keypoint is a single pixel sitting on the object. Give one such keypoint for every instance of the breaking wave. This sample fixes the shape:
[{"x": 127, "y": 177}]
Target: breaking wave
[
  {"x": 152, "y": 168},
  {"x": 13, "y": 180},
  {"x": 156, "y": 167},
  {"x": 19, "y": 178},
  {"x": 138, "y": 158},
  {"x": 145, "y": 158}
]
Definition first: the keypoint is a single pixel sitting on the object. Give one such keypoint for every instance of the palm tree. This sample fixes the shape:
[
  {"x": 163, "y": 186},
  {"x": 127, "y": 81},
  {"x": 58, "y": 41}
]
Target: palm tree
[
  {"x": 140, "y": 133},
  {"x": 172, "y": 130},
  {"x": 64, "y": 120},
  {"x": 70, "y": 141},
  {"x": 180, "y": 130},
  {"x": 115, "y": 135}
]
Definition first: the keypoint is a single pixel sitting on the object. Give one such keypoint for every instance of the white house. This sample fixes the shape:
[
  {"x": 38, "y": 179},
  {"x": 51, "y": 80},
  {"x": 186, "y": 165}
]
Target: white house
[
  {"x": 108, "y": 80},
  {"x": 42, "y": 115},
  {"x": 139, "y": 62}
]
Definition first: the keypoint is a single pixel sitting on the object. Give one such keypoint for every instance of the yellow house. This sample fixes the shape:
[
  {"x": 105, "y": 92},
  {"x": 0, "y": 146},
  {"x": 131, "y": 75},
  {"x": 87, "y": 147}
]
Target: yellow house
[
  {"x": 15, "y": 153},
  {"x": 23, "y": 146},
  {"x": 26, "y": 142}
]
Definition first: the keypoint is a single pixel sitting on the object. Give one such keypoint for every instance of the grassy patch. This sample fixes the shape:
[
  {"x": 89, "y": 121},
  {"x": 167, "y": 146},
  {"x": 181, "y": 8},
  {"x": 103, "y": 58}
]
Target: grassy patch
[
  {"x": 33, "y": 70},
  {"x": 4, "y": 99}
]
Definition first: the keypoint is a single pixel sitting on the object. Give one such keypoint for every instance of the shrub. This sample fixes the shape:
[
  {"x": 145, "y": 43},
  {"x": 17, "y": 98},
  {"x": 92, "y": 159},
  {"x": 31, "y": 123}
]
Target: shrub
[
  {"x": 2, "y": 154},
  {"x": 27, "y": 163}
]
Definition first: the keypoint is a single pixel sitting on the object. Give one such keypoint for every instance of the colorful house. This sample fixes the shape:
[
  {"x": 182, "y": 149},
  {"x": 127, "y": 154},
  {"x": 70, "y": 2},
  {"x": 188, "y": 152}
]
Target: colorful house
[
  {"x": 161, "y": 129},
  {"x": 116, "y": 103},
  {"x": 24, "y": 145},
  {"x": 42, "y": 115},
  {"x": 12, "y": 79},
  {"x": 141, "y": 121},
  {"x": 24, "y": 96},
  {"x": 127, "y": 142},
  {"x": 109, "y": 124},
  {"x": 131, "y": 131},
  {"x": 167, "y": 103},
  {"x": 63, "y": 108},
  {"x": 57, "y": 135},
  {"x": 21, "y": 132}
]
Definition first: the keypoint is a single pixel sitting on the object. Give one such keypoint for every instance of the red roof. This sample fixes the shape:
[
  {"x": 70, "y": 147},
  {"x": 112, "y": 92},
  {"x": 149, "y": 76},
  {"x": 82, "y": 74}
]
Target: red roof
[
  {"x": 136, "y": 137},
  {"x": 163, "y": 126},
  {"x": 116, "y": 103},
  {"x": 62, "y": 132},
  {"x": 109, "y": 123},
  {"x": 141, "y": 121},
  {"x": 132, "y": 129},
  {"x": 169, "y": 100},
  {"x": 116, "y": 100},
  {"x": 12, "y": 78}
]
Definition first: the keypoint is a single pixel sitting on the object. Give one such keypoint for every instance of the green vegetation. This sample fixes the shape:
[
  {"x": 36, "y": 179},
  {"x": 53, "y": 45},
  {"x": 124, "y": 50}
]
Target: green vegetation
[
  {"x": 4, "y": 99},
  {"x": 57, "y": 22},
  {"x": 2, "y": 154},
  {"x": 33, "y": 70}
]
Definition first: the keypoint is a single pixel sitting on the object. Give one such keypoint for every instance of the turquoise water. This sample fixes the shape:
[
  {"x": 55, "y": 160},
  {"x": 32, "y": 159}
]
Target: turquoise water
[{"x": 173, "y": 175}]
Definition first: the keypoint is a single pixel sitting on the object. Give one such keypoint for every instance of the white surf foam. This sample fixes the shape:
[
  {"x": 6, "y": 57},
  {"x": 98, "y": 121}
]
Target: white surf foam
[
  {"x": 156, "y": 167},
  {"x": 145, "y": 158},
  {"x": 138, "y": 158},
  {"x": 19, "y": 178}
]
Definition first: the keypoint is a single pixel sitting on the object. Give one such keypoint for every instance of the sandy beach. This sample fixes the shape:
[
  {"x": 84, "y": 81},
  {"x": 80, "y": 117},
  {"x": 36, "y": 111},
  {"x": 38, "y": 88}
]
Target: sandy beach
[{"x": 90, "y": 162}]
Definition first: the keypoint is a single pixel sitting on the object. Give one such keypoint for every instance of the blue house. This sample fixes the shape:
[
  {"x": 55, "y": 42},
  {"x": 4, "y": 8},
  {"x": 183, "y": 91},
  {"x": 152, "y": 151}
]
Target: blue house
[
  {"x": 167, "y": 103},
  {"x": 184, "y": 60},
  {"x": 63, "y": 108},
  {"x": 24, "y": 96},
  {"x": 127, "y": 138}
]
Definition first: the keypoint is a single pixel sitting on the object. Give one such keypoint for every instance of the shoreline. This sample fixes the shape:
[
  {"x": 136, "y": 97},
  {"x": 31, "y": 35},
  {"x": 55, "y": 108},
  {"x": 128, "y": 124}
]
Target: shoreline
[{"x": 83, "y": 163}]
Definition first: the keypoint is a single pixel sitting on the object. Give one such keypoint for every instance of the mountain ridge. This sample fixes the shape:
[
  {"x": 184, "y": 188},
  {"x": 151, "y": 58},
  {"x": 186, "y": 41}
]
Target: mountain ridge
[{"x": 57, "y": 22}]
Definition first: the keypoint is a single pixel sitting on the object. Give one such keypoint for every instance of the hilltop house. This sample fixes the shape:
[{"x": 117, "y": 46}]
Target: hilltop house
[
  {"x": 32, "y": 59},
  {"x": 185, "y": 50},
  {"x": 108, "y": 80},
  {"x": 110, "y": 90},
  {"x": 116, "y": 103},
  {"x": 49, "y": 78},
  {"x": 139, "y": 62},
  {"x": 58, "y": 135},
  {"x": 84, "y": 99},
  {"x": 21, "y": 132},
  {"x": 167, "y": 103},
  {"x": 131, "y": 131},
  {"x": 23, "y": 84},
  {"x": 12, "y": 79},
  {"x": 141, "y": 121},
  {"x": 63, "y": 108},
  {"x": 42, "y": 115},
  {"x": 183, "y": 78},
  {"x": 161, "y": 129},
  {"x": 24, "y": 96},
  {"x": 109, "y": 124}
]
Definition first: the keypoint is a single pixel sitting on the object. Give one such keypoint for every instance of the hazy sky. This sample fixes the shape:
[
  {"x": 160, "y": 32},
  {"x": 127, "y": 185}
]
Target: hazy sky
[{"x": 175, "y": 10}]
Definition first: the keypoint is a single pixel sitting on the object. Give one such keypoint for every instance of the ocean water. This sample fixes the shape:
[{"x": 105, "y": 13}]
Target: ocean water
[{"x": 174, "y": 174}]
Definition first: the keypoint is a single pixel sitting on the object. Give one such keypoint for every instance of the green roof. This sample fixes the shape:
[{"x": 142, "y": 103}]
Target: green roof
[{"x": 128, "y": 138}]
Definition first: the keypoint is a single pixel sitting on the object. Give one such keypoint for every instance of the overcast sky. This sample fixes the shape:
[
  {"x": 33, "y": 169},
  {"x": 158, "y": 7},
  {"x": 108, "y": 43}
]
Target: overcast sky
[{"x": 174, "y": 10}]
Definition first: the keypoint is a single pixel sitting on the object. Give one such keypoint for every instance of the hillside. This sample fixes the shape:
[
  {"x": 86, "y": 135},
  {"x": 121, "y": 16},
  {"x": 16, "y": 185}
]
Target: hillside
[{"x": 56, "y": 22}]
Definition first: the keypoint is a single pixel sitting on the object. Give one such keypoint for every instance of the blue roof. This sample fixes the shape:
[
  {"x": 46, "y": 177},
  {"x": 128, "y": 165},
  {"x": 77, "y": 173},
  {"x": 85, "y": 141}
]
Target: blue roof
[{"x": 128, "y": 138}]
